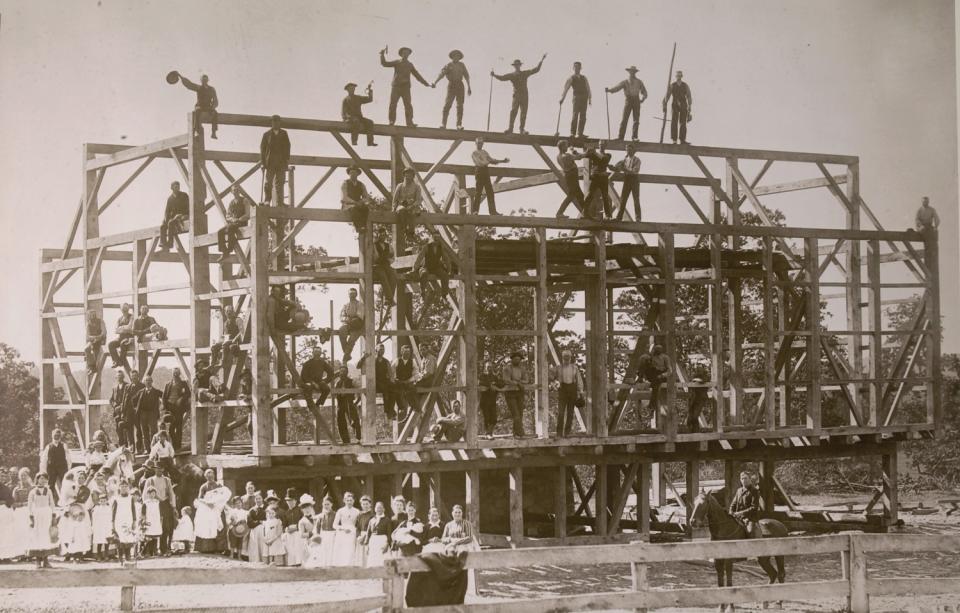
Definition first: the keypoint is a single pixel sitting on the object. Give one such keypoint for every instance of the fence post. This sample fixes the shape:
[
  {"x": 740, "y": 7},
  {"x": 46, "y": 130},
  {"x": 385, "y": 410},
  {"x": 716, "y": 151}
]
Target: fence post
[
  {"x": 638, "y": 572},
  {"x": 393, "y": 586},
  {"x": 859, "y": 599},
  {"x": 128, "y": 594}
]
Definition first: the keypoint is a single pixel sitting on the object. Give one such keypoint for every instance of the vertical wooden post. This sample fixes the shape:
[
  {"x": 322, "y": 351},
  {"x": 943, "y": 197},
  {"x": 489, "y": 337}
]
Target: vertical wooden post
[
  {"x": 853, "y": 278},
  {"x": 874, "y": 303},
  {"x": 263, "y": 434},
  {"x": 199, "y": 273},
  {"x": 811, "y": 248},
  {"x": 516, "y": 506},
  {"x": 770, "y": 338},
  {"x": 658, "y": 484},
  {"x": 642, "y": 489},
  {"x": 395, "y": 585},
  {"x": 717, "y": 357},
  {"x": 890, "y": 481},
  {"x": 291, "y": 341},
  {"x": 859, "y": 598},
  {"x": 734, "y": 303},
  {"x": 693, "y": 488},
  {"x": 597, "y": 329},
  {"x": 138, "y": 249},
  {"x": 600, "y": 500},
  {"x": 560, "y": 504},
  {"x": 542, "y": 327},
  {"x": 767, "y": 468},
  {"x": 92, "y": 284},
  {"x": 368, "y": 412},
  {"x": 639, "y": 581},
  {"x": 128, "y": 596},
  {"x": 933, "y": 369},
  {"x": 472, "y": 496},
  {"x": 667, "y": 410},
  {"x": 467, "y": 373}
]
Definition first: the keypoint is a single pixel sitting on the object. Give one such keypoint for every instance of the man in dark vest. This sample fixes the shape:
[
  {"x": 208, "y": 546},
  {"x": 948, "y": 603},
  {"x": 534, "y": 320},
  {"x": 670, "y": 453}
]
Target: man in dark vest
[
  {"x": 148, "y": 412},
  {"x": 405, "y": 374},
  {"x": 53, "y": 459},
  {"x": 581, "y": 99},
  {"x": 599, "y": 181},
  {"x": 128, "y": 414},
  {"x": 274, "y": 157},
  {"x": 116, "y": 401},
  {"x": 682, "y": 108},
  {"x": 383, "y": 379}
]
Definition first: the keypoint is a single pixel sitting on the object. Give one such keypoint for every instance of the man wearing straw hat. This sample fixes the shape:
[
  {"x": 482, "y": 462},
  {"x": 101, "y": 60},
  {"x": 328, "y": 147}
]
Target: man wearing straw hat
[
  {"x": 521, "y": 96},
  {"x": 403, "y": 69},
  {"x": 456, "y": 73},
  {"x": 581, "y": 99},
  {"x": 274, "y": 157},
  {"x": 634, "y": 93},
  {"x": 352, "y": 112}
]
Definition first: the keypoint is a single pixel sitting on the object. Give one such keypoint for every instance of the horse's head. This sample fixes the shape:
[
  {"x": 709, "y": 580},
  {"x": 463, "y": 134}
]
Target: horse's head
[{"x": 699, "y": 517}]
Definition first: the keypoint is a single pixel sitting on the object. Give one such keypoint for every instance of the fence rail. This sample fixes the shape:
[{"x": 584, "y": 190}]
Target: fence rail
[{"x": 854, "y": 584}]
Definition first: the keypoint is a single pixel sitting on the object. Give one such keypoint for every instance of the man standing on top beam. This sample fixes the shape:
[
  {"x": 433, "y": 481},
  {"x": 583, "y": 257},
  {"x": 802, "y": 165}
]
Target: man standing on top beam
[
  {"x": 274, "y": 157},
  {"x": 582, "y": 97},
  {"x": 403, "y": 69},
  {"x": 206, "y": 100},
  {"x": 682, "y": 108},
  {"x": 634, "y": 93},
  {"x": 456, "y": 73},
  {"x": 521, "y": 97}
]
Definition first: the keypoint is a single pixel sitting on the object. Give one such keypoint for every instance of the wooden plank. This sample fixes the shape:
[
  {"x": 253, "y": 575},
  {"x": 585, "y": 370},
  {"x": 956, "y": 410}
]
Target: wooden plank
[
  {"x": 541, "y": 322},
  {"x": 469, "y": 359},
  {"x": 199, "y": 271},
  {"x": 667, "y": 414},
  {"x": 472, "y": 497},
  {"x": 792, "y": 186},
  {"x": 550, "y": 140},
  {"x": 769, "y": 406},
  {"x": 859, "y": 597},
  {"x": 889, "y": 586},
  {"x": 813, "y": 341},
  {"x": 135, "y": 153},
  {"x": 560, "y": 504}
]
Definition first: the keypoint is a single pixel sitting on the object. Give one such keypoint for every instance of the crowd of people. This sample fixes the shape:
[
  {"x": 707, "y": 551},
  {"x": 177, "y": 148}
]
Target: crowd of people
[{"x": 113, "y": 517}]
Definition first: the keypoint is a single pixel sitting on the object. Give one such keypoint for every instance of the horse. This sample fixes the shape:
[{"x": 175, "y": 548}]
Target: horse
[
  {"x": 707, "y": 511},
  {"x": 119, "y": 462}
]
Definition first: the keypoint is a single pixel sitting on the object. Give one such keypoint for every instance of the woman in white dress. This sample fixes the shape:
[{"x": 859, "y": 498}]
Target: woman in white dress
[
  {"x": 378, "y": 536},
  {"x": 208, "y": 521},
  {"x": 42, "y": 521},
  {"x": 323, "y": 533},
  {"x": 75, "y": 532},
  {"x": 345, "y": 523},
  {"x": 124, "y": 513}
]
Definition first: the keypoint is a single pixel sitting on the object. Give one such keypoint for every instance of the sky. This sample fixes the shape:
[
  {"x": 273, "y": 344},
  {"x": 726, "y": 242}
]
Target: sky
[{"x": 876, "y": 79}]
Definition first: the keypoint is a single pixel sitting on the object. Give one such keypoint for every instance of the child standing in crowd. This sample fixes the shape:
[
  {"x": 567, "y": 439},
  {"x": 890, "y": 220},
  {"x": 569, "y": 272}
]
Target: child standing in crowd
[
  {"x": 378, "y": 536},
  {"x": 124, "y": 519},
  {"x": 152, "y": 522},
  {"x": 75, "y": 532},
  {"x": 345, "y": 524},
  {"x": 43, "y": 541},
  {"x": 183, "y": 533},
  {"x": 100, "y": 520},
  {"x": 311, "y": 558},
  {"x": 237, "y": 528},
  {"x": 273, "y": 538}
]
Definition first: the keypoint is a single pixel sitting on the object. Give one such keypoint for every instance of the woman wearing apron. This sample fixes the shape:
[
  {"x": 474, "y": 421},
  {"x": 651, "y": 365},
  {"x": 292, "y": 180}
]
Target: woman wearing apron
[
  {"x": 325, "y": 532},
  {"x": 378, "y": 536},
  {"x": 40, "y": 508},
  {"x": 434, "y": 533},
  {"x": 345, "y": 523}
]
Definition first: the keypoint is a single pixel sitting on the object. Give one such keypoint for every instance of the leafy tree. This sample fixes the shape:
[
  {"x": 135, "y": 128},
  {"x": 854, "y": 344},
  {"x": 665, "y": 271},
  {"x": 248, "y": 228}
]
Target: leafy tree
[{"x": 19, "y": 410}]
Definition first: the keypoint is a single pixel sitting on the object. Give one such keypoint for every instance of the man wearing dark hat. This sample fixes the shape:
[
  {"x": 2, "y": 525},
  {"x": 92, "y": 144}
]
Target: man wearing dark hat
[
  {"x": 634, "y": 93},
  {"x": 292, "y": 514},
  {"x": 481, "y": 163},
  {"x": 682, "y": 108},
  {"x": 148, "y": 412},
  {"x": 456, "y": 73},
  {"x": 403, "y": 69},
  {"x": 567, "y": 159},
  {"x": 351, "y": 110},
  {"x": 129, "y": 413},
  {"x": 355, "y": 198},
  {"x": 274, "y": 157},
  {"x": 206, "y": 99},
  {"x": 514, "y": 377},
  {"x": 581, "y": 99},
  {"x": 116, "y": 401},
  {"x": 520, "y": 95},
  {"x": 176, "y": 403},
  {"x": 407, "y": 201}
]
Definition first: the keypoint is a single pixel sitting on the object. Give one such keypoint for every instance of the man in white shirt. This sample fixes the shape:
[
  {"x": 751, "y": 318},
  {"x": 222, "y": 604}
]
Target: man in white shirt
[
  {"x": 351, "y": 318},
  {"x": 634, "y": 93},
  {"x": 630, "y": 167},
  {"x": 482, "y": 162},
  {"x": 514, "y": 377}
]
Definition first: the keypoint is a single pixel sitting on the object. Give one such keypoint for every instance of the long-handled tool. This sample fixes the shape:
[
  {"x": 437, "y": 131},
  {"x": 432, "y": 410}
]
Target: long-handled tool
[
  {"x": 490, "y": 100},
  {"x": 607, "y": 97},
  {"x": 663, "y": 126},
  {"x": 559, "y": 110}
]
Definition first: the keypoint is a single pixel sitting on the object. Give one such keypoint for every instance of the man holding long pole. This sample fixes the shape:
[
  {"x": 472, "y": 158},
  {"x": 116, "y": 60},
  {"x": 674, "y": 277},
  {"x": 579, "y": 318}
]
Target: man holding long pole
[{"x": 634, "y": 93}]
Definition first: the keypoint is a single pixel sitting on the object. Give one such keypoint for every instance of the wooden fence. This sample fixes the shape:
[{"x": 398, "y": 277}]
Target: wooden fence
[{"x": 854, "y": 583}]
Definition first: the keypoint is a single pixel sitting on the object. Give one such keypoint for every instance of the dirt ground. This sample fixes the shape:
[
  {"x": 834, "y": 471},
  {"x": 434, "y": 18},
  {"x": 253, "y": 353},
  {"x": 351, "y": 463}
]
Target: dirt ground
[{"x": 539, "y": 581}]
